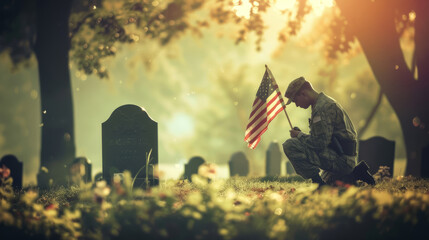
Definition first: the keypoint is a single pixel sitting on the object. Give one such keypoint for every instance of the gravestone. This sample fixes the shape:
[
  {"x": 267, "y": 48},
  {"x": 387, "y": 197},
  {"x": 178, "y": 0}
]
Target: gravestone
[
  {"x": 238, "y": 165},
  {"x": 128, "y": 136},
  {"x": 376, "y": 152},
  {"x": 16, "y": 171},
  {"x": 425, "y": 162},
  {"x": 98, "y": 177},
  {"x": 289, "y": 168},
  {"x": 273, "y": 160},
  {"x": 192, "y": 167},
  {"x": 80, "y": 170}
]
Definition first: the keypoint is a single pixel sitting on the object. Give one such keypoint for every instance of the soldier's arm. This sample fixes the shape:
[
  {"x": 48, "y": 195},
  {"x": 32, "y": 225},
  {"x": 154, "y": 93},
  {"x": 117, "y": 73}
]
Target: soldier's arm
[{"x": 321, "y": 129}]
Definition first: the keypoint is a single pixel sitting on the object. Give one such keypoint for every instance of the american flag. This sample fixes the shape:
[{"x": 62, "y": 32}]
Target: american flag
[{"x": 267, "y": 105}]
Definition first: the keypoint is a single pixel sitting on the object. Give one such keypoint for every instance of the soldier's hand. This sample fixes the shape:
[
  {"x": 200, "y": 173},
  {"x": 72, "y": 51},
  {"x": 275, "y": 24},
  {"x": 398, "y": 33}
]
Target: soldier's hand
[{"x": 294, "y": 133}]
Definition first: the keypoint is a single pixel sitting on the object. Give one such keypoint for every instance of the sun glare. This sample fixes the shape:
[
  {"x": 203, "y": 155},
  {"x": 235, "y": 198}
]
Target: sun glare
[
  {"x": 181, "y": 125},
  {"x": 284, "y": 4},
  {"x": 243, "y": 8},
  {"x": 319, "y": 6}
]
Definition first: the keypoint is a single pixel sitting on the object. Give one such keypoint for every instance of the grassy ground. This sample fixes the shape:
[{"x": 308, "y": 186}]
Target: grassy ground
[{"x": 236, "y": 208}]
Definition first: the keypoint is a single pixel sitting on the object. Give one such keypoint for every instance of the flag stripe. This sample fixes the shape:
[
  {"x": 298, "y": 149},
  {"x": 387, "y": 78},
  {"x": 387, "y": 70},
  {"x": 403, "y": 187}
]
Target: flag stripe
[
  {"x": 256, "y": 140},
  {"x": 273, "y": 106},
  {"x": 256, "y": 110},
  {"x": 253, "y": 146},
  {"x": 261, "y": 112},
  {"x": 257, "y": 130},
  {"x": 254, "y": 122},
  {"x": 254, "y": 127},
  {"x": 273, "y": 97},
  {"x": 274, "y": 115},
  {"x": 256, "y": 105},
  {"x": 259, "y": 133}
]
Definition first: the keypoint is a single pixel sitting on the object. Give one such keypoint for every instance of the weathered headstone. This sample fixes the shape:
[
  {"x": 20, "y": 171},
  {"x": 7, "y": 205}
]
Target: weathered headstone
[
  {"x": 238, "y": 165},
  {"x": 16, "y": 170},
  {"x": 289, "y": 168},
  {"x": 273, "y": 160},
  {"x": 425, "y": 162},
  {"x": 80, "y": 170},
  {"x": 376, "y": 152},
  {"x": 192, "y": 167},
  {"x": 128, "y": 136}
]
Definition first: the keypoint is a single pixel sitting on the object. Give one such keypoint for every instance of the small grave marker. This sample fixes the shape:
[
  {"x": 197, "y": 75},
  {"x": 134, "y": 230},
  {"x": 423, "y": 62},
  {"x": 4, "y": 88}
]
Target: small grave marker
[
  {"x": 80, "y": 170},
  {"x": 273, "y": 160},
  {"x": 376, "y": 152},
  {"x": 192, "y": 167},
  {"x": 238, "y": 165},
  {"x": 16, "y": 170}
]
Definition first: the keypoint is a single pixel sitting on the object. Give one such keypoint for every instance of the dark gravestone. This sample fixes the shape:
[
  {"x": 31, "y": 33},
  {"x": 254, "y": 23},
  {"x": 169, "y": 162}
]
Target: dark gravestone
[
  {"x": 273, "y": 160},
  {"x": 128, "y": 136},
  {"x": 289, "y": 168},
  {"x": 425, "y": 162},
  {"x": 80, "y": 170},
  {"x": 15, "y": 167},
  {"x": 238, "y": 165},
  {"x": 98, "y": 177},
  {"x": 192, "y": 167},
  {"x": 377, "y": 151}
]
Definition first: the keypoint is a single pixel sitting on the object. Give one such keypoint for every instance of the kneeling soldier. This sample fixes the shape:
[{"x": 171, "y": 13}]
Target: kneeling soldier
[{"x": 331, "y": 144}]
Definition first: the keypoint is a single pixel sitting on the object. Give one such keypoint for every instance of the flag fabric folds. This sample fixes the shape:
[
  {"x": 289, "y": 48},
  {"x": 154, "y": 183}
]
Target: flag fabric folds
[{"x": 267, "y": 105}]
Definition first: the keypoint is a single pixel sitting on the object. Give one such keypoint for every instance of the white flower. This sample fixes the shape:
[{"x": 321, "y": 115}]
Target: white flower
[
  {"x": 101, "y": 189},
  {"x": 208, "y": 170}
]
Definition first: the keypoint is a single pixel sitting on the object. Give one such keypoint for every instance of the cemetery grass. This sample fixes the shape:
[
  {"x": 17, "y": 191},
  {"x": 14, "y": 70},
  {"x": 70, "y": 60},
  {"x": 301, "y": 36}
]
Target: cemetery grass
[{"x": 236, "y": 208}]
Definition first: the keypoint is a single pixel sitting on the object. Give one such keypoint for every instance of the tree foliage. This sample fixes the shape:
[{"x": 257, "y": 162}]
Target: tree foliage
[{"x": 96, "y": 28}]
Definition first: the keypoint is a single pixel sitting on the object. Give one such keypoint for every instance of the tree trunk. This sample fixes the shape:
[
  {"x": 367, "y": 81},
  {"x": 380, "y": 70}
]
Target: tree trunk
[
  {"x": 373, "y": 23},
  {"x": 52, "y": 52},
  {"x": 422, "y": 62}
]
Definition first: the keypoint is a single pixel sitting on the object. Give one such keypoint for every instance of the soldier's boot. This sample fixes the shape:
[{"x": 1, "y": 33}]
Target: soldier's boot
[
  {"x": 317, "y": 179},
  {"x": 360, "y": 172}
]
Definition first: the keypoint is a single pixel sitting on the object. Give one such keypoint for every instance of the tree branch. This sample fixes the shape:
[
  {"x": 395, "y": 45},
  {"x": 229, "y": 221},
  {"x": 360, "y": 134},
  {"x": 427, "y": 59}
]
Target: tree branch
[{"x": 79, "y": 25}]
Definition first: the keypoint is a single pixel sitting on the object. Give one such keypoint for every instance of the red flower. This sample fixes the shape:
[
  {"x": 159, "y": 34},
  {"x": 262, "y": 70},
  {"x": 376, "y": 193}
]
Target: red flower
[
  {"x": 4, "y": 172},
  {"x": 51, "y": 207},
  {"x": 339, "y": 183},
  {"x": 162, "y": 196}
]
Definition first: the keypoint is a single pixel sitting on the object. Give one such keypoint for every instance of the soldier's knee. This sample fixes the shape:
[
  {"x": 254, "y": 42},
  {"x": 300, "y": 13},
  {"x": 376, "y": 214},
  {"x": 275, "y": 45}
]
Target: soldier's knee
[{"x": 290, "y": 145}]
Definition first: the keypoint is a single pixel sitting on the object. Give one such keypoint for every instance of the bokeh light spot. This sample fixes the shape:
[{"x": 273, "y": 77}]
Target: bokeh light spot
[
  {"x": 181, "y": 125},
  {"x": 416, "y": 121}
]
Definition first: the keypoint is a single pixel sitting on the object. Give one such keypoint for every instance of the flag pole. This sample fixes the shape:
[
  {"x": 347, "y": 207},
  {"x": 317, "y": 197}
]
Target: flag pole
[
  {"x": 281, "y": 97},
  {"x": 290, "y": 124}
]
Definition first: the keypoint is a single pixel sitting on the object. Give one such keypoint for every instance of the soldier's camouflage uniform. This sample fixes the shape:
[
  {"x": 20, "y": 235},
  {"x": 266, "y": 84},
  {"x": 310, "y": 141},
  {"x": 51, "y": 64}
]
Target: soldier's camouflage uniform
[{"x": 309, "y": 153}]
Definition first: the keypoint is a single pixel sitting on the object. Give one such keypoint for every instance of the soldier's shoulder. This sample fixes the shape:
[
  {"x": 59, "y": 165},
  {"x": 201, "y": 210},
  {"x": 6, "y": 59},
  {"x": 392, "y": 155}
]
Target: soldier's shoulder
[
  {"x": 327, "y": 99},
  {"x": 325, "y": 102}
]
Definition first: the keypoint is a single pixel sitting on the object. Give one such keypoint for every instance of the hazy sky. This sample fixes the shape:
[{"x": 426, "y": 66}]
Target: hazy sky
[{"x": 196, "y": 89}]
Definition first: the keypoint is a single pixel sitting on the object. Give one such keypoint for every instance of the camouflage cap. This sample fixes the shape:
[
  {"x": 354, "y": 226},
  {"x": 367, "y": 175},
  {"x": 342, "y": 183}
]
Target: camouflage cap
[{"x": 293, "y": 88}]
